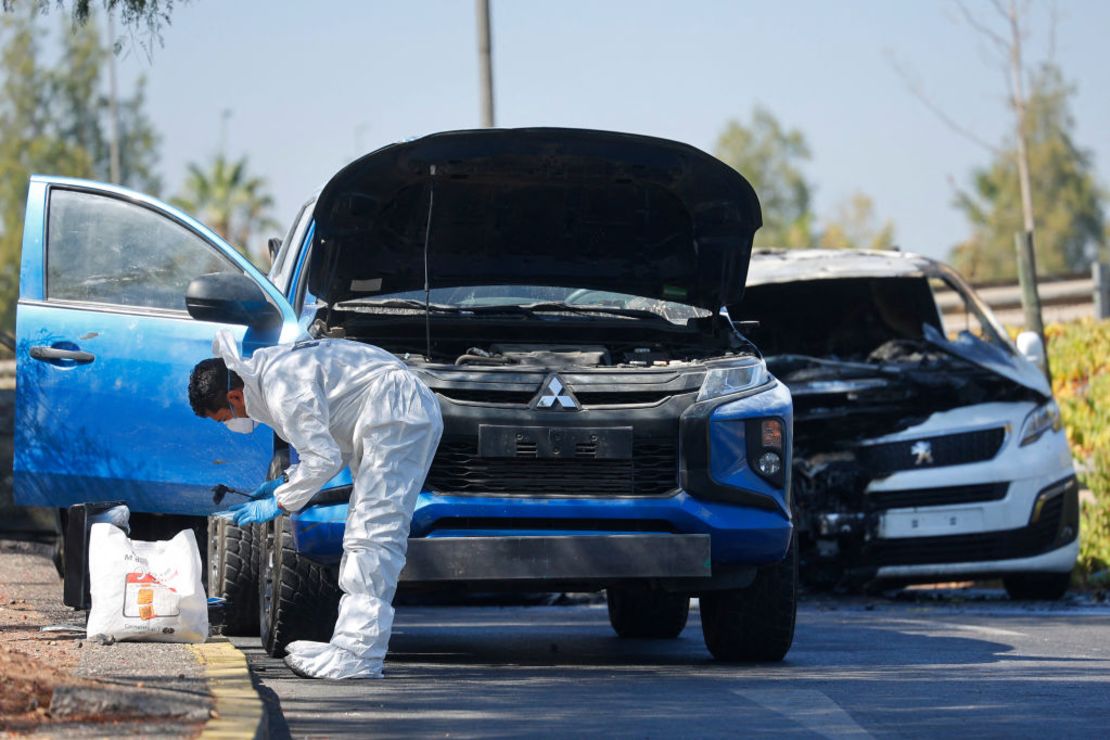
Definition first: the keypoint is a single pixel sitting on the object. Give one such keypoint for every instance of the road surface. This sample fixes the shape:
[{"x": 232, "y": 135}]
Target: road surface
[{"x": 857, "y": 668}]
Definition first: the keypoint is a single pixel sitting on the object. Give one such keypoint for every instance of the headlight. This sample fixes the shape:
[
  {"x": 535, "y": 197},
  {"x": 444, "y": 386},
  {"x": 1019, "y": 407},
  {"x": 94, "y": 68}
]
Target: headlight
[
  {"x": 729, "y": 379},
  {"x": 1039, "y": 421}
]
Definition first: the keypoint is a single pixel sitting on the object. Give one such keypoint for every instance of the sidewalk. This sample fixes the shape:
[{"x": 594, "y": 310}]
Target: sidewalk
[{"x": 59, "y": 683}]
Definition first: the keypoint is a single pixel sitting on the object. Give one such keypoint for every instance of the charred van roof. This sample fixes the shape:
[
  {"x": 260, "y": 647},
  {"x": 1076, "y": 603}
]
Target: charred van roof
[
  {"x": 789, "y": 265},
  {"x": 537, "y": 206}
]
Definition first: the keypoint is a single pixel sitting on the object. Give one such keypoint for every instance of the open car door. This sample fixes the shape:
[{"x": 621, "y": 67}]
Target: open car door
[{"x": 105, "y": 347}]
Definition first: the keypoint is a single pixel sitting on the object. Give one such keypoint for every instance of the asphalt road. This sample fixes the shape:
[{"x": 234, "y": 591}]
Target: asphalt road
[{"x": 883, "y": 668}]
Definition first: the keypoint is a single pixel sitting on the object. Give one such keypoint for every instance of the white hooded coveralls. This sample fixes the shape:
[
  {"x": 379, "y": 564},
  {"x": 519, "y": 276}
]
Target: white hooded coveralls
[{"x": 343, "y": 403}]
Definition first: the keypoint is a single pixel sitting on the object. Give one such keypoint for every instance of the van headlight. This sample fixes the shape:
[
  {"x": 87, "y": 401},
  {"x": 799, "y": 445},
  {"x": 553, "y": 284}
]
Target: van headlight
[
  {"x": 1039, "y": 421},
  {"x": 724, "y": 380}
]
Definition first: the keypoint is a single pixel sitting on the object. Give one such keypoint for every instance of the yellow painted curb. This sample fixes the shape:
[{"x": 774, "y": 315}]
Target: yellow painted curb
[{"x": 239, "y": 710}]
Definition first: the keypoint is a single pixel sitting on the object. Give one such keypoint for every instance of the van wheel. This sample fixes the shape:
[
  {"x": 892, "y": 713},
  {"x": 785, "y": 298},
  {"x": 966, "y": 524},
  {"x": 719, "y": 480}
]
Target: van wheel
[
  {"x": 640, "y": 613},
  {"x": 755, "y": 623},
  {"x": 297, "y": 598},
  {"x": 1037, "y": 586},
  {"x": 233, "y": 574}
]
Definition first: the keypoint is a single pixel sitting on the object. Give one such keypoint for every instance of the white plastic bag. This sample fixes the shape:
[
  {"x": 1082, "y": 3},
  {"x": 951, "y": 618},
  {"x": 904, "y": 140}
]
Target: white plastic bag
[{"x": 146, "y": 590}]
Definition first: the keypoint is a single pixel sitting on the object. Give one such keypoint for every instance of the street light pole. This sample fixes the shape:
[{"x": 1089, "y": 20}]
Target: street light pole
[
  {"x": 485, "y": 62},
  {"x": 113, "y": 107}
]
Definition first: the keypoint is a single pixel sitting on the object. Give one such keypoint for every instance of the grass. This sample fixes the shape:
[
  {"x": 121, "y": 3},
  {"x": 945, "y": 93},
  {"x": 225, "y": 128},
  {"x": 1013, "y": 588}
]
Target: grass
[{"x": 1079, "y": 356}]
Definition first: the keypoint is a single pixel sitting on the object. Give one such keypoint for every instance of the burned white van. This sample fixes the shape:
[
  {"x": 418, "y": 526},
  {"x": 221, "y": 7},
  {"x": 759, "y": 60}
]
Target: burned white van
[{"x": 927, "y": 446}]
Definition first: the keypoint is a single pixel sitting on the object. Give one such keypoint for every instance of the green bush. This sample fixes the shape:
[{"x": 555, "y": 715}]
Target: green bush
[{"x": 1079, "y": 356}]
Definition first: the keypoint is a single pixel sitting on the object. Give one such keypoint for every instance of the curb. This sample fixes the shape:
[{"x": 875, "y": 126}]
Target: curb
[{"x": 239, "y": 712}]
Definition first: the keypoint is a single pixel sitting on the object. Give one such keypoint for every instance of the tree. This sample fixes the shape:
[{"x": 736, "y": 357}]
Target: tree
[
  {"x": 80, "y": 111},
  {"x": 1067, "y": 202},
  {"x": 770, "y": 157},
  {"x": 230, "y": 200},
  {"x": 151, "y": 14},
  {"x": 855, "y": 227},
  {"x": 52, "y": 120}
]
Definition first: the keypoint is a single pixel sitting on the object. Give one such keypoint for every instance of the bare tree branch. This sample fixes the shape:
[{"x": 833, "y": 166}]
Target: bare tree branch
[
  {"x": 913, "y": 84},
  {"x": 984, "y": 30}
]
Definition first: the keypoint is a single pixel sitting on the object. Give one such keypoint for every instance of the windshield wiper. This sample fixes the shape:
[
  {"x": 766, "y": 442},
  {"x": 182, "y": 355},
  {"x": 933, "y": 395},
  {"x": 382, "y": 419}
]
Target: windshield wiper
[
  {"x": 533, "y": 308},
  {"x": 408, "y": 304}
]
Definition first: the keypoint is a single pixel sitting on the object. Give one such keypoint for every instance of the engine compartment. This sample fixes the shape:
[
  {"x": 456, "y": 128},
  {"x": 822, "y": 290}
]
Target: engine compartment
[{"x": 860, "y": 358}]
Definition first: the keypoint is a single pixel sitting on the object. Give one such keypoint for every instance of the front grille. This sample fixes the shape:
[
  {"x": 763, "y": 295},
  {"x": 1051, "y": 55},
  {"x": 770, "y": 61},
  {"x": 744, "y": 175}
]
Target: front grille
[
  {"x": 937, "y": 496},
  {"x": 973, "y": 548},
  {"x": 622, "y": 398},
  {"x": 487, "y": 395},
  {"x": 458, "y": 469},
  {"x": 498, "y": 396},
  {"x": 949, "y": 449}
]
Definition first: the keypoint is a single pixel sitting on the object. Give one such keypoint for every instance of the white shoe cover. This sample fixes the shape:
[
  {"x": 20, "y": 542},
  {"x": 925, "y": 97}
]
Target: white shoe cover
[{"x": 324, "y": 660}]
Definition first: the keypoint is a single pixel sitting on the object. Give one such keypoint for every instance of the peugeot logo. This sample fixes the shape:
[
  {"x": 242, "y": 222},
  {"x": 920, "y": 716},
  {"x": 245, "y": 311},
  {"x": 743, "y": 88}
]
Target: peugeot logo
[
  {"x": 556, "y": 396},
  {"x": 922, "y": 452}
]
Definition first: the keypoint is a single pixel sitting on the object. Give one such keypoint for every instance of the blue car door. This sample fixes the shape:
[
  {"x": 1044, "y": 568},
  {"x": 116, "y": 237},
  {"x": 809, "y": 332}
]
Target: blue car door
[{"x": 104, "y": 350}]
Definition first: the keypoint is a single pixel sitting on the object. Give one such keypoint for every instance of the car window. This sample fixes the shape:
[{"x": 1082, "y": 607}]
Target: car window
[
  {"x": 961, "y": 313},
  {"x": 106, "y": 250}
]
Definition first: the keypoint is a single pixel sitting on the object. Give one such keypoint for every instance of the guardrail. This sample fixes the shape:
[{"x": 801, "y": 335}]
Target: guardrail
[{"x": 1062, "y": 299}]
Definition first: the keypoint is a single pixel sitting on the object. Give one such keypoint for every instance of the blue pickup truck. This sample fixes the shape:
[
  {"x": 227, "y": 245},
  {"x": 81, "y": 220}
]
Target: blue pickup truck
[{"x": 565, "y": 293}]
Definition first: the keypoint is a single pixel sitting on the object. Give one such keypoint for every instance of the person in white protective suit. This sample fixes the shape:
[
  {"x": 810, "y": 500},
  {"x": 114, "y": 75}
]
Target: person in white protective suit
[{"x": 337, "y": 403}]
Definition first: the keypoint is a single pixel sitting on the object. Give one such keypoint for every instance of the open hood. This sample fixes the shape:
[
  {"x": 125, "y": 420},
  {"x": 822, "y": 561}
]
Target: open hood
[{"x": 541, "y": 206}]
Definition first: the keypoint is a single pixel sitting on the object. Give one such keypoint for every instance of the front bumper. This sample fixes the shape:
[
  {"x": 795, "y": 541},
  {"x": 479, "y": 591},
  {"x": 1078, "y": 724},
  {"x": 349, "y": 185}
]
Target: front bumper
[
  {"x": 560, "y": 558},
  {"x": 737, "y": 535},
  {"x": 1047, "y": 542}
]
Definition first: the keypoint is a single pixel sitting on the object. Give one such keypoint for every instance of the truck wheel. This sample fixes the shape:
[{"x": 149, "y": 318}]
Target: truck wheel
[
  {"x": 640, "y": 613},
  {"x": 233, "y": 574},
  {"x": 298, "y": 599},
  {"x": 1037, "y": 586},
  {"x": 754, "y": 623}
]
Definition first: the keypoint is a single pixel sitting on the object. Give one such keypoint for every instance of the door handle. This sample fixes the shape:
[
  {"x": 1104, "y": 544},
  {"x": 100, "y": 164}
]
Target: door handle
[{"x": 56, "y": 353}]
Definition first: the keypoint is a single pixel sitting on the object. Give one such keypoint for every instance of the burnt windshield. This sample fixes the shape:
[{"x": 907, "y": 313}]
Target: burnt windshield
[{"x": 845, "y": 318}]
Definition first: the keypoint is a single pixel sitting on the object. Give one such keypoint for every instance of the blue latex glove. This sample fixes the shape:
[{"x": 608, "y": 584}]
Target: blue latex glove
[
  {"x": 252, "y": 512},
  {"x": 266, "y": 490}
]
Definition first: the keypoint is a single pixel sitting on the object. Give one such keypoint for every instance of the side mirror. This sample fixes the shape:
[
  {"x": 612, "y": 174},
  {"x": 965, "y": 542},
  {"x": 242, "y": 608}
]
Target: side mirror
[
  {"x": 1031, "y": 347},
  {"x": 230, "y": 298},
  {"x": 273, "y": 244}
]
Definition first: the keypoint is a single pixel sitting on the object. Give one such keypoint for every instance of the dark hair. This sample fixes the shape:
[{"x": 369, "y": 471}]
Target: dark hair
[{"x": 208, "y": 386}]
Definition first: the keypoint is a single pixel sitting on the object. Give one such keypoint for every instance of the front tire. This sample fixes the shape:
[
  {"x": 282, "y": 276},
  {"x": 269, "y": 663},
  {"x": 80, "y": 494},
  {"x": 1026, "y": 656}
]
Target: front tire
[
  {"x": 754, "y": 623},
  {"x": 298, "y": 599},
  {"x": 233, "y": 574},
  {"x": 1037, "y": 586},
  {"x": 640, "y": 613}
]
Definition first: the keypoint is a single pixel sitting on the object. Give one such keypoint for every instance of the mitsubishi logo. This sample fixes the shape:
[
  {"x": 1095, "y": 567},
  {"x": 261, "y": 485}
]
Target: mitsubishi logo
[
  {"x": 556, "y": 396},
  {"x": 922, "y": 452}
]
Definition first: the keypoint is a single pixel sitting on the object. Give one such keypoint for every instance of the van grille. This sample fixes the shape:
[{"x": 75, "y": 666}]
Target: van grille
[
  {"x": 938, "y": 496},
  {"x": 949, "y": 449},
  {"x": 458, "y": 469}
]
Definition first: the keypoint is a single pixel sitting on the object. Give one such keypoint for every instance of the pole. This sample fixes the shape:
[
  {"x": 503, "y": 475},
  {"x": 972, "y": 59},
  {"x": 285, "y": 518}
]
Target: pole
[
  {"x": 113, "y": 107},
  {"x": 485, "y": 63},
  {"x": 1030, "y": 299},
  {"x": 1100, "y": 271}
]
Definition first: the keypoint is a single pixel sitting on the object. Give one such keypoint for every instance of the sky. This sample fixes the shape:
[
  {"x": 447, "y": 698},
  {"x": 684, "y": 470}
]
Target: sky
[{"x": 310, "y": 85}]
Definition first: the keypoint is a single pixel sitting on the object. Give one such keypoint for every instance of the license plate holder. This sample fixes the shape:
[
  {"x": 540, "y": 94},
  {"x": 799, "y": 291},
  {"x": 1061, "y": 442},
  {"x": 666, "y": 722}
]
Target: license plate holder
[{"x": 553, "y": 443}]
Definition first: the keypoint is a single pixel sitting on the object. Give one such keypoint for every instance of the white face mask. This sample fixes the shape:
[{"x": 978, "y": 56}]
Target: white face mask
[
  {"x": 241, "y": 424},
  {"x": 238, "y": 424}
]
